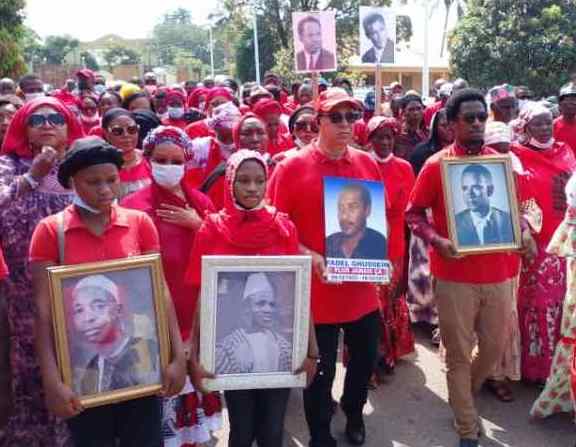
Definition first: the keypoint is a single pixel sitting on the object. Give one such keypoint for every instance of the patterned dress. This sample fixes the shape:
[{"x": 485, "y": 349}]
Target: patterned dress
[{"x": 29, "y": 425}]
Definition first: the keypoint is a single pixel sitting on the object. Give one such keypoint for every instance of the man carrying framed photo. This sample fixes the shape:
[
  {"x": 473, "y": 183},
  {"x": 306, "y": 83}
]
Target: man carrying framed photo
[
  {"x": 351, "y": 306},
  {"x": 473, "y": 293}
]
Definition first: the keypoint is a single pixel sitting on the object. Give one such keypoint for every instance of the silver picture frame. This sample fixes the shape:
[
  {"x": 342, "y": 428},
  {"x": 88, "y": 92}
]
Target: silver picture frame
[{"x": 296, "y": 270}]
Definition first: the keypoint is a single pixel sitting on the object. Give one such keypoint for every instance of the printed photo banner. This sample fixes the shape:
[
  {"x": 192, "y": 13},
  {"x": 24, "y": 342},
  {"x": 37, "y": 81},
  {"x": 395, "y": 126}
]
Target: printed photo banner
[
  {"x": 377, "y": 35},
  {"x": 314, "y": 41}
]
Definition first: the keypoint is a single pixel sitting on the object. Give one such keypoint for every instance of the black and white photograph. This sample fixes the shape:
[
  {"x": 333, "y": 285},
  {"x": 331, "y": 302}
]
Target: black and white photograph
[
  {"x": 112, "y": 330},
  {"x": 483, "y": 208},
  {"x": 377, "y": 35},
  {"x": 314, "y": 41},
  {"x": 254, "y": 319}
]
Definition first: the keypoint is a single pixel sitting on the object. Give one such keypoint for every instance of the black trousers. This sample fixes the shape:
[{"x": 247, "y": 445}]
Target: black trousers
[
  {"x": 361, "y": 338},
  {"x": 257, "y": 415},
  {"x": 136, "y": 423}
]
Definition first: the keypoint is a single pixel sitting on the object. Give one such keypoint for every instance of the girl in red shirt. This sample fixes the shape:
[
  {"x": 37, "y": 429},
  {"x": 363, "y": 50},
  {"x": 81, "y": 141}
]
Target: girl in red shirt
[{"x": 246, "y": 226}]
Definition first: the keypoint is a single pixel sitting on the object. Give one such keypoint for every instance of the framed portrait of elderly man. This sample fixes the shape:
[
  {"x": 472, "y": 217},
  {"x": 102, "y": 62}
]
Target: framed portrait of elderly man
[
  {"x": 356, "y": 230},
  {"x": 110, "y": 328},
  {"x": 255, "y": 317},
  {"x": 314, "y": 41},
  {"x": 481, "y": 204},
  {"x": 377, "y": 35}
]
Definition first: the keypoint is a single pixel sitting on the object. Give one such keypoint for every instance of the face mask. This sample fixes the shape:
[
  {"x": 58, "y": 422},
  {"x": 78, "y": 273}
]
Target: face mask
[
  {"x": 168, "y": 176},
  {"x": 537, "y": 144},
  {"x": 32, "y": 96},
  {"x": 80, "y": 203},
  {"x": 175, "y": 112},
  {"x": 99, "y": 88}
]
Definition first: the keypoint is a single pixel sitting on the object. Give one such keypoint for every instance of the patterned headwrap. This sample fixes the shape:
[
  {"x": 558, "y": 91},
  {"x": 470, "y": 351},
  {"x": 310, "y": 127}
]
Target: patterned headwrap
[
  {"x": 167, "y": 134},
  {"x": 527, "y": 114},
  {"x": 378, "y": 122},
  {"x": 500, "y": 92},
  {"x": 225, "y": 115},
  {"x": 497, "y": 132}
]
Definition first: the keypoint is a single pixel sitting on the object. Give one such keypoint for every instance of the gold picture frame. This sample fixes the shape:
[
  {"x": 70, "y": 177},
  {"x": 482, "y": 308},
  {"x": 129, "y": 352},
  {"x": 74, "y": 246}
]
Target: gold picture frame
[
  {"x": 501, "y": 224},
  {"x": 140, "y": 282}
]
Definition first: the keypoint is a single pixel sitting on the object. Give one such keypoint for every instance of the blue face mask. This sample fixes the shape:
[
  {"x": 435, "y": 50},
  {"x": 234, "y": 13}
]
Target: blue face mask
[{"x": 80, "y": 203}]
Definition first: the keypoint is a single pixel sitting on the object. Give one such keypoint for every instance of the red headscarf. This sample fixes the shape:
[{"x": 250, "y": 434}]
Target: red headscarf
[
  {"x": 380, "y": 122},
  {"x": 16, "y": 139},
  {"x": 238, "y": 126},
  {"x": 256, "y": 228},
  {"x": 175, "y": 93},
  {"x": 194, "y": 98},
  {"x": 219, "y": 91},
  {"x": 266, "y": 106}
]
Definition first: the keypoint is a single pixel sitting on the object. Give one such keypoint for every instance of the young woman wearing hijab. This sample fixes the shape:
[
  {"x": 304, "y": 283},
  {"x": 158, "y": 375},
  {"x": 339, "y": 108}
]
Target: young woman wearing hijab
[
  {"x": 121, "y": 131},
  {"x": 214, "y": 98},
  {"x": 246, "y": 226},
  {"x": 270, "y": 111},
  {"x": 176, "y": 108},
  {"x": 96, "y": 229},
  {"x": 89, "y": 113},
  {"x": 177, "y": 211},
  {"x": 304, "y": 129},
  {"x": 549, "y": 164},
  {"x": 397, "y": 338},
  {"x": 38, "y": 136}
]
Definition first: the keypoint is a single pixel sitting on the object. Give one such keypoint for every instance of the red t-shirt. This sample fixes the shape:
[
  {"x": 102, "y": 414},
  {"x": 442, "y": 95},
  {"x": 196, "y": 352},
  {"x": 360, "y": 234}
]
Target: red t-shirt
[
  {"x": 199, "y": 129},
  {"x": 129, "y": 233},
  {"x": 565, "y": 132},
  {"x": 282, "y": 143},
  {"x": 428, "y": 193},
  {"x": 430, "y": 111},
  {"x": 97, "y": 131},
  {"x": 3, "y": 266},
  {"x": 399, "y": 180},
  {"x": 296, "y": 187}
]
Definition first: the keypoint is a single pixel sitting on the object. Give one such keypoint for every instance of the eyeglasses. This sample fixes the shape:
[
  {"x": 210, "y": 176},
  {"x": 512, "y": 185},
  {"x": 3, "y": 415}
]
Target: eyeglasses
[
  {"x": 306, "y": 125},
  {"x": 337, "y": 117},
  {"x": 471, "y": 117},
  {"x": 118, "y": 131},
  {"x": 37, "y": 120}
]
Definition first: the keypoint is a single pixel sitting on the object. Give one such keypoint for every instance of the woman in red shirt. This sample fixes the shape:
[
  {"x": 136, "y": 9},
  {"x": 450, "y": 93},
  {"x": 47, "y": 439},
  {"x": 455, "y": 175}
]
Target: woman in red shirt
[
  {"x": 95, "y": 229},
  {"x": 121, "y": 131},
  {"x": 177, "y": 211},
  {"x": 248, "y": 227}
]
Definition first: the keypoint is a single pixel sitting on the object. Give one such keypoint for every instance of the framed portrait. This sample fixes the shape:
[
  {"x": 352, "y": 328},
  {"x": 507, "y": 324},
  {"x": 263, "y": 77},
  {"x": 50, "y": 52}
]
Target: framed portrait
[
  {"x": 314, "y": 36},
  {"x": 255, "y": 317},
  {"x": 377, "y": 35},
  {"x": 356, "y": 230},
  {"x": 481, "y": 204},
  {"x": 110, "y": 327}
]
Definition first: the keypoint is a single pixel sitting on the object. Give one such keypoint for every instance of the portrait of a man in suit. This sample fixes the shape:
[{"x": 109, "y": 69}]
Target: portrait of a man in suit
[
  {"x": 313, "y": 57},
  {"x": 382, "y": 50},
  {"x": 481, "y": 223},
  {"x": 355, "y": 239}
]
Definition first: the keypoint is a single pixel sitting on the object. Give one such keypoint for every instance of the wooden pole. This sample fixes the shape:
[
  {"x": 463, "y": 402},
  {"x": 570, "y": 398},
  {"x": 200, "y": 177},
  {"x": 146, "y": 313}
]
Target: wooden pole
[
  {"x": 378, "y": 90},
  {"x": 315, "y": 85}
]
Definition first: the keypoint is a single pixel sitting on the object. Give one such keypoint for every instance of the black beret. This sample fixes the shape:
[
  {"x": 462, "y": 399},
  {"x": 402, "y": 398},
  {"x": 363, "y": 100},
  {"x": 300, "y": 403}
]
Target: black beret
[{"x": 86, "y": 152}]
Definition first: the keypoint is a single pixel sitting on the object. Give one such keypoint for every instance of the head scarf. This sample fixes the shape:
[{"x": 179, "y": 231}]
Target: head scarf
[
  {"x": 175, "y": 93},
  {"x": 500, "y": 92},
  {"x": 266, "y": 106},
  {"x": 379, "y": 122},
  {"x": 527, "y": 114},
  {"x": 238, "y": 126},
  {"x": 167, "y": 134},
  {"x": 16, "y": 139},
  {"x": 194, "y": 98},
  {"x": 86, "y": 152},
  {"x": 219, "y": 91},
  {"x": 307, "y": 109},
  {"x": 225, "y": 115},
  {"x": 129, "y": 89},
  {"x": 497, "y": 132}
]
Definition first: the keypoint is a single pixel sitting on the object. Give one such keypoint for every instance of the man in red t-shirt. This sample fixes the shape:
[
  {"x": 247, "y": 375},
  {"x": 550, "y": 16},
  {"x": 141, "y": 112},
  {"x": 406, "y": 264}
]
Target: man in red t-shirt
[
  {"x": 296, "y": 187},
  {"x": 565, "y": 124},
  {"x": 474, "y": 292}
]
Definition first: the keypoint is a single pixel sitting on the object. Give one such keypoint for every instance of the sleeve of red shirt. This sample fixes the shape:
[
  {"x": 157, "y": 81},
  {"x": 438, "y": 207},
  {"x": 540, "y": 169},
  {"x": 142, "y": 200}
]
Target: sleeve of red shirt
[
  {"x": 275, "y": 196},
  {"x": 149, "y": 239},
  {"x": 424, "y": 196},
  {"x": 44, "y": 243},
  {"x": 200, "y": 248},
  {"x": 3, "y": 266}
]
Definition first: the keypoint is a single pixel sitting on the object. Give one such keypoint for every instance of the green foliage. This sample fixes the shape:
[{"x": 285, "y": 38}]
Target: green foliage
[
  {"x": 89, "y": 60},
  {"x": 11, "y": 31},
  {"x": 56, "y": 48},
  {"x": 529, "y": 42},
  {"x": 121, "y": 56},
  {"x": 11, "y": 14}
]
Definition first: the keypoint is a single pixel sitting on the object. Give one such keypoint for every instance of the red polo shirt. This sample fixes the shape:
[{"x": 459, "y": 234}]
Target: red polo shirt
[
  {"x": 428, "y": 193},
  {"x": 129, "y": 233},
  {"x": 3, "y": 266},
  {"x": 565, "y": 132},
  {"x": 296, "y": 187}
]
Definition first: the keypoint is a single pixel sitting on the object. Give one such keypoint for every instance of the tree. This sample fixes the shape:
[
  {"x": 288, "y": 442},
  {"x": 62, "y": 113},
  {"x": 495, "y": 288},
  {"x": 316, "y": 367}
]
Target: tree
[
  {"x": 56, "y": 48},
  {"x": 119, "y": 55},
  {"x": 11, "y": 32},
  {"x": 89, "y": 60},
  {"x": 529, "y": 42}
]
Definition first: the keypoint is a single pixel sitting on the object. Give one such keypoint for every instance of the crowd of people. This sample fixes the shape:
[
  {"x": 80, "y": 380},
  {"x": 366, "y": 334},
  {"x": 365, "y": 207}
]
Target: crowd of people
[{"x": 94, "y": 172}]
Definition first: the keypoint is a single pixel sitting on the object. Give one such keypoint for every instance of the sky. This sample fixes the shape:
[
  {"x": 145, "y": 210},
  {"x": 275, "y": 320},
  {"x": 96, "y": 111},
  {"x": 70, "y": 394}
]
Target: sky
[{"x": 88, "y": 21}]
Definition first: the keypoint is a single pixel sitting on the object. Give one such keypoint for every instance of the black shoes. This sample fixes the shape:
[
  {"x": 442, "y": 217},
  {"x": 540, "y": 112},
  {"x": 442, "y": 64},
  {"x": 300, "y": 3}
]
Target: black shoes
[{"x": 355, "y": 430}]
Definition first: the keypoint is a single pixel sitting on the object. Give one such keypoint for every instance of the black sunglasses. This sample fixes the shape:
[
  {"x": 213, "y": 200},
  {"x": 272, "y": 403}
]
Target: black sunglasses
[
  {"x": 471, "y": 117},
  {"x": 53, "y": 119},
  {"x": 305, "y": 125},
  {"x": 118, "y": 131},
  {"x": 337, "y": 117}
]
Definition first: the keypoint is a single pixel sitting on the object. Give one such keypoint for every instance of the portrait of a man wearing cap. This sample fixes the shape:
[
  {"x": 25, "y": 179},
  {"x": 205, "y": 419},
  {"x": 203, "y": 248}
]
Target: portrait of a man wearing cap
[
  {"x": 256, "y": 345},
  {"x": 100, "y": 321}
]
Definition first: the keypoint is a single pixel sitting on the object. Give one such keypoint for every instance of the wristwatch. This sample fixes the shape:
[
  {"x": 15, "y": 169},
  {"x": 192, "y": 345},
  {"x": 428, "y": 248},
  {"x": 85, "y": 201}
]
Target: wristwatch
[{"x": 31, "y": 181}]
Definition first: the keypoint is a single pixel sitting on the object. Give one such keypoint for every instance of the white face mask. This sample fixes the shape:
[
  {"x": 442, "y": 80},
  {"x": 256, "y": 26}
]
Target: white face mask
[
  {"x": 175, "y": 112},
  {"x": 80, "y": 203},
  {"x": 168, "y": 176},
  {"x": 534, "y": 142},
  {"x": 32, "y": 96}
]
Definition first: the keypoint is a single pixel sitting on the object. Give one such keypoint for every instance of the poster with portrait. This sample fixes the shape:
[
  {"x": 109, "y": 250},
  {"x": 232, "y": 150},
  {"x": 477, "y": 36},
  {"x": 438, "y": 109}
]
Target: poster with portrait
[
  {"x": 356, "y": 230},
  {"x": 377, "y": 35},
  {"x": 481, "y": 203},
  {"x": 255, "y": 317},
  {"x": 314, "y": 41},
  {"x": 110, "y": 328}
]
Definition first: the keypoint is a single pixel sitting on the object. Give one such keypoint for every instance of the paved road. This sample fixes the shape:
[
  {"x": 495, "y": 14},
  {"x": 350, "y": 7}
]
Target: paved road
[{"x": 412, "y": 411}]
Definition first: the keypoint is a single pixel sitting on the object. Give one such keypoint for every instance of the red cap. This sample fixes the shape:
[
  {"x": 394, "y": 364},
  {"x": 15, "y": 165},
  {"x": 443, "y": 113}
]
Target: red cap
[
  {"x": 335, "y": 96},
  {"x": 85, "y": 73}
]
